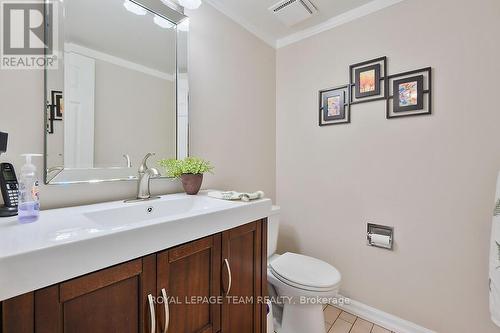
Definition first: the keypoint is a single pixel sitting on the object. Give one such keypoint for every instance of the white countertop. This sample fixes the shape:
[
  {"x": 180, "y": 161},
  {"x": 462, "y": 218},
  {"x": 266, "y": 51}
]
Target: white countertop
[{"x": 70, "y": 242}]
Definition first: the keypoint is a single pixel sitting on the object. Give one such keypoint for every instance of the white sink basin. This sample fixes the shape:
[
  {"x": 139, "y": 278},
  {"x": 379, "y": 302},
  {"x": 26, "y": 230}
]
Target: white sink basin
[
  {"x": 71, "y": 242},
  {"x": 140, "y": 212}
]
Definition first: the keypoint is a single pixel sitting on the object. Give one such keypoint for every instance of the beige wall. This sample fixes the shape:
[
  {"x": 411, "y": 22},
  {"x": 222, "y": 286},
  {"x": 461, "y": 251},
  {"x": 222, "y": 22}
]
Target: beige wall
[
  {"x": 139, "y": 109},
  {"x": 233, "y": 125},
  {"x": 432, "y": 178},
  {"x": 232, "y": 78}
]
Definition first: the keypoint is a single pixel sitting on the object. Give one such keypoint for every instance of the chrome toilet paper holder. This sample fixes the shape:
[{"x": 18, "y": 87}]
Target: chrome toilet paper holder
[{"x": 380, "y": 230}]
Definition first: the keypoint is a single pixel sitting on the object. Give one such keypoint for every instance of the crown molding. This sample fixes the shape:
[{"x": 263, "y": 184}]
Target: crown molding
[
  {"x": 351, "y": 15},
  {"x": 243, "y": 22},
  {"x": 98, "y": 55}
]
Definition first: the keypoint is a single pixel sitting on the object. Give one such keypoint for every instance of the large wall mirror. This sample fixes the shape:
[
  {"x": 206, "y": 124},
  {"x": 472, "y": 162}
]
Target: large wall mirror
[{"x": 119, "y": 91}]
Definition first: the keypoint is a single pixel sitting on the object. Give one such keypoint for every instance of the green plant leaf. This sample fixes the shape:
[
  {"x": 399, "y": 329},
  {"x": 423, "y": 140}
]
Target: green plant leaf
[{"x": 190, "y": 165}]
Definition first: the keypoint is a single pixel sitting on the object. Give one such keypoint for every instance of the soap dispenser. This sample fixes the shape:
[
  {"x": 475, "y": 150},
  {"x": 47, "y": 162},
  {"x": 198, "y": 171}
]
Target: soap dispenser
[{"x": 29, "y": 200}]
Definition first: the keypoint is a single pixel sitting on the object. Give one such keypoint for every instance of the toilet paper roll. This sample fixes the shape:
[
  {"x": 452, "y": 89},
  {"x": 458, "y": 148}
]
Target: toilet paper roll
[{"x": 380, "y": 240}]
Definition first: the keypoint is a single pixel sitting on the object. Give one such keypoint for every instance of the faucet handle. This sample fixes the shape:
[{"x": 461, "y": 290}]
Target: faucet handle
[
  {"x": 154, "y": 173},
  {"x": 127, "y": 158},
  {"x": 144, "y": 165}
]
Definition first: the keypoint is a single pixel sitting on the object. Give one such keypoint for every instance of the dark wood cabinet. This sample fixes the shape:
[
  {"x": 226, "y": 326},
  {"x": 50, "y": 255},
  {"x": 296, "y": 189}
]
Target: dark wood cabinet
[
  {"x": 214, "y": 284},
  {"x": 243, "y": 279},
  {"x": 111, "y": 300},
  {"x": 18, "y": 314},
  {"x": 189, "y": 275}
]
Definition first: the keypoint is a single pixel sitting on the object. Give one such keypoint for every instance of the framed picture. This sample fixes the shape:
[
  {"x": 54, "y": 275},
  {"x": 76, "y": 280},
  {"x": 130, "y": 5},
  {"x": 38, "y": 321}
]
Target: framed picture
[
  {"x": 410, "y": 94},
  {"x": 57, "y": 105},
  {"x": 49, "y": 118},
  {"x": 334, "y": 106},
  {"x": 368, "y": 81}
]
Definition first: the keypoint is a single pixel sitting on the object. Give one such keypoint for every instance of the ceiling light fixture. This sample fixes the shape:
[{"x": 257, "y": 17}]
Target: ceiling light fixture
[
  {"x": 162, "y": 22},
  {"x": 134, "y": 8},
  {"x": 190, "y": 4}
]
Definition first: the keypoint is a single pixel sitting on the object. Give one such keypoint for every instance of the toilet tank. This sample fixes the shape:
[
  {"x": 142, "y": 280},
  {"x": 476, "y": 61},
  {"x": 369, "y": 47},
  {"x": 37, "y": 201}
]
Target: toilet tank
[{"x": 273, "y": 225}]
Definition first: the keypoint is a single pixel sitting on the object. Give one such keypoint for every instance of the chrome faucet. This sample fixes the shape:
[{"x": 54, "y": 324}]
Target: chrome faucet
[
  {"x": 127, "y": 158},
  {"x": 145, "y": 175}
]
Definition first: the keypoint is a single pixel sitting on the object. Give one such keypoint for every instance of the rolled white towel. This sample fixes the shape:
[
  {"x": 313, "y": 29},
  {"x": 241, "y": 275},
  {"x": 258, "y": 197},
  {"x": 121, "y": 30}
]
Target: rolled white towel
[{"x": 233, "y": 195}]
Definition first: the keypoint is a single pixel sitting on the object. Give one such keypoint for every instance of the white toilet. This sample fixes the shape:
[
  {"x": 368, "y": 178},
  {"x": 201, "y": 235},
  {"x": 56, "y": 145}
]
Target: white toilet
[{"x": 303, "y": 283}]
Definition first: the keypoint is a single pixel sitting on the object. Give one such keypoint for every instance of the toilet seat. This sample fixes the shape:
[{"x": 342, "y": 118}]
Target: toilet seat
[{"x": 305, "y": 272}]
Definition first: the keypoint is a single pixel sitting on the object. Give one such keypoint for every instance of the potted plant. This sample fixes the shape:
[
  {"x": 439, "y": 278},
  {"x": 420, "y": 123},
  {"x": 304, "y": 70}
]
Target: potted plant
[{"x": 190, "y": 170}]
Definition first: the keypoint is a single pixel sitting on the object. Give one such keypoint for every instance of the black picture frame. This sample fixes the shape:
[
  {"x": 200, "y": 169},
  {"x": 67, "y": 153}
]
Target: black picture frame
[
  {"x": 344, "y": 114},
  {"x": 357, "y": 79},
  {"x": 381, "y": 70},
  {"x": 58, "y": 107},
  {"x": 423, "y": 76},
  {"x": 331, "y": 95},
  {"x": 56, "y": 100},
  {"x": 4, "y": 139},
  {"x": 396, "y": 105},
  {"x": 50, "y": 118}
]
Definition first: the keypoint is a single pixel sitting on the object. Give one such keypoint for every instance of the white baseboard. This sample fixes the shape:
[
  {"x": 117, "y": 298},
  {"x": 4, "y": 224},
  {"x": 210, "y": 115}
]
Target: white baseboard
[{"x": 381, "y": 318}]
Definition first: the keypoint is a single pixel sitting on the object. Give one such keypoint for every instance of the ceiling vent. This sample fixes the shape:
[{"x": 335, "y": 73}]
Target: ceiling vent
[{"x": 291, "y": 12}]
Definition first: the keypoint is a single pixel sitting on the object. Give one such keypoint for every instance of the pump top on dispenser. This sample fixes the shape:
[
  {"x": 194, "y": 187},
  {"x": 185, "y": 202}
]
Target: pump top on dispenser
[{"x": 29, "y": 199}]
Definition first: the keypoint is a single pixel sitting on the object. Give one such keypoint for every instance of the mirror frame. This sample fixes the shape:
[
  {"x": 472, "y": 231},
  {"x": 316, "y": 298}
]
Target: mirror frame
[{"x": 175, "y": 14}]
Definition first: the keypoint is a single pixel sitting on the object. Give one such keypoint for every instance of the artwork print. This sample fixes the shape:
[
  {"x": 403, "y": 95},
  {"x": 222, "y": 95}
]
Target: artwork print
[
  {"x": 57, "y": 105},
  {"x": 405, "y": 94},
  {"x": 334, "y": 106},
  {"x": 367, "y": 81},
  {"x": 408, "y": 94}
]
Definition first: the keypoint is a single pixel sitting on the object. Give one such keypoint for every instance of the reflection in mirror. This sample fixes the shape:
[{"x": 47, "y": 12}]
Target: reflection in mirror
[{"x": 119, "y": 92}]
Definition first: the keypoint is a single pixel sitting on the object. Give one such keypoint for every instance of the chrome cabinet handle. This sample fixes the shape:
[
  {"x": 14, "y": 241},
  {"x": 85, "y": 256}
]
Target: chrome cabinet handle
[
  {"x": 167, "y": 310},
  {"x": 226, "y": 262},
  {"x": 152, "y": 313}
]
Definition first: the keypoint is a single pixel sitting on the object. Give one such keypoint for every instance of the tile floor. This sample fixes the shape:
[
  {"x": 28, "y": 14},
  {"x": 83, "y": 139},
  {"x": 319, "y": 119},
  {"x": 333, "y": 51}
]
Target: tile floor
[{"x": 338, "y": 321}]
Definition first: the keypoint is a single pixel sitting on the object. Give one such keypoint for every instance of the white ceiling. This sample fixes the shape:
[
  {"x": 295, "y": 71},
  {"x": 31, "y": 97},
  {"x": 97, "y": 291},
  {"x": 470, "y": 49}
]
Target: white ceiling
[
  {"x": 106, "y": 26},
  {"x": 255, "y": 17}
]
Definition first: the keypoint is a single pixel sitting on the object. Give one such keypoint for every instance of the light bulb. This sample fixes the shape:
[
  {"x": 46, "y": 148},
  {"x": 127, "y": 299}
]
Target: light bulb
[
  {"x": 190, "y": 4},
  {"x": 134, "y": 8}
]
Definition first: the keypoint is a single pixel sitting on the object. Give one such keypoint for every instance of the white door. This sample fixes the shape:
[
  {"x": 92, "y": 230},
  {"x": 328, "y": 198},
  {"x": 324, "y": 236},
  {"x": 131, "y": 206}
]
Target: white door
[{"x": 79, "y": 95}]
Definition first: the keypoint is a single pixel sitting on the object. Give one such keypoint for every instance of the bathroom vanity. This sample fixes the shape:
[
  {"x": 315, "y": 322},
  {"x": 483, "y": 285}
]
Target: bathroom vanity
[
  {"x": 106, "y": 267},
  {"x": 114, "y": 96}
]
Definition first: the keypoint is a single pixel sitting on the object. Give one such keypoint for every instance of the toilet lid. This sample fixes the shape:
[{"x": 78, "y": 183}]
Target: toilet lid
[{"x": 305, "y": 271}]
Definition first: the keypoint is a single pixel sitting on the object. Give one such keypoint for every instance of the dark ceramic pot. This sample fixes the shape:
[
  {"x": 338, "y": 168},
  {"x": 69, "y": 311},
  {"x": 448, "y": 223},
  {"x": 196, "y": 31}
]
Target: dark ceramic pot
[{"x": 192, "y": 183}]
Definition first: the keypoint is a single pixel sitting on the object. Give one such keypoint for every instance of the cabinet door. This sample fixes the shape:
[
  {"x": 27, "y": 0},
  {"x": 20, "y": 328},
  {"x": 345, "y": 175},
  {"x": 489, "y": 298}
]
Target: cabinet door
[
  {"x": 242, "y": 279},
  {"x": 111, "y": 300},
  {"x": 18, "y": 314},
  {"x": 184, "y": 272}
]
